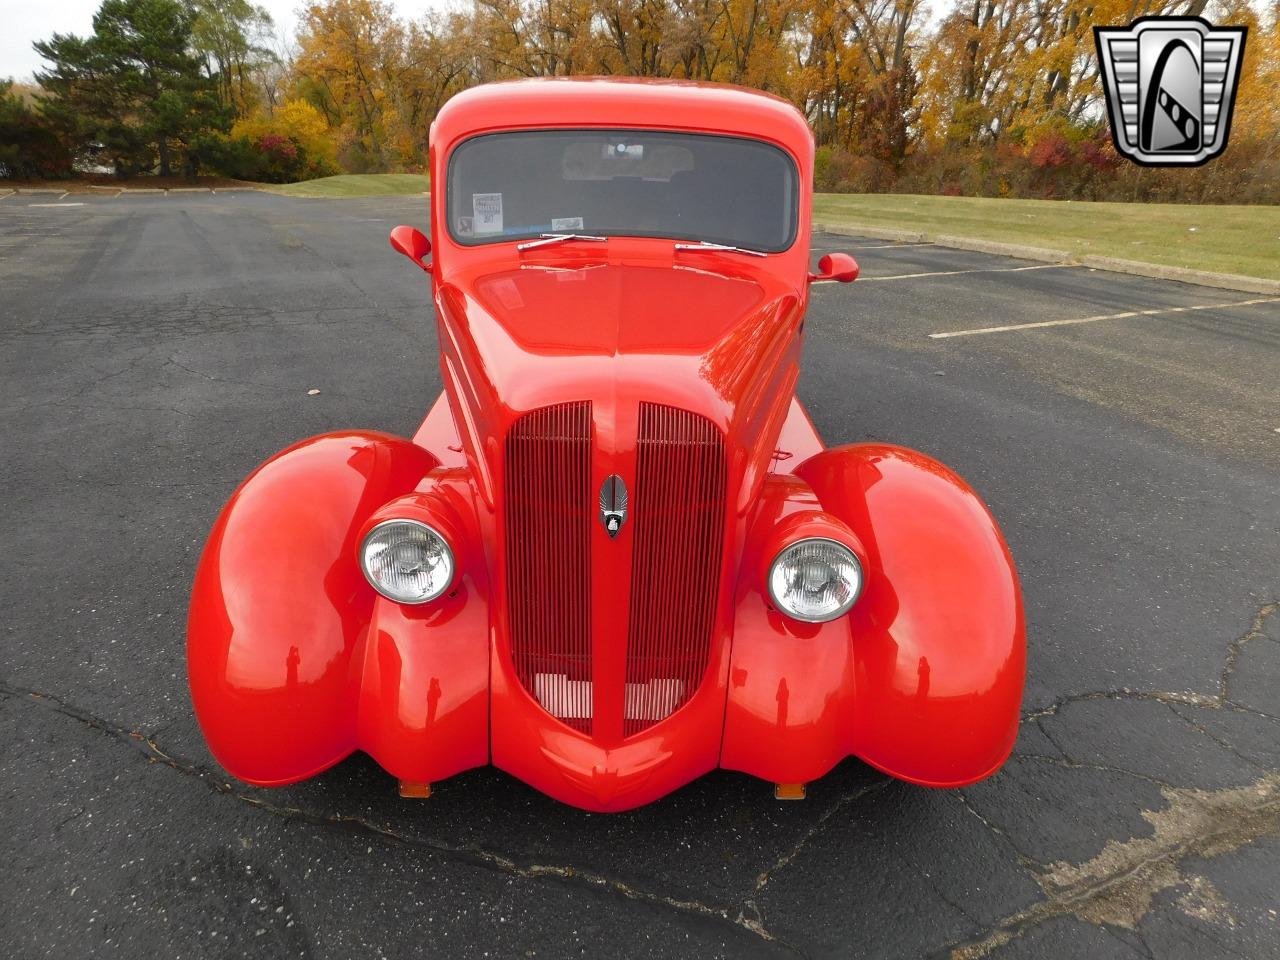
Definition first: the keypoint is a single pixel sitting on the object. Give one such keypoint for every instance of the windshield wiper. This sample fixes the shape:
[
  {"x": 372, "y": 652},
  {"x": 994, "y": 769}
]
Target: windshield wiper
[
  {"x": 549, "y": 238},
  {"x": 720, "y": 248}
]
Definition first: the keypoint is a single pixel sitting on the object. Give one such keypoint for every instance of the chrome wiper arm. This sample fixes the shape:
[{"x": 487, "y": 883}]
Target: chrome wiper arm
[
  {"x": 549, "y": 238},
  {"x": 719, "y": 247}
]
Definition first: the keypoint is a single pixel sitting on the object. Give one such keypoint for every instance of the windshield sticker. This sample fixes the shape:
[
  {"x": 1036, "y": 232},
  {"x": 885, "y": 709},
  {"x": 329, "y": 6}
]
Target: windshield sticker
[
  {"x": 565, "y": 223},
  {"x": 465, "y": 227},
  {"x": 487, "y": 210}
]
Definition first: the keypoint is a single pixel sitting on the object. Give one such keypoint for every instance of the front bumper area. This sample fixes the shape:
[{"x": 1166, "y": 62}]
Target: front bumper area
[{"x": 295, "y": 662}]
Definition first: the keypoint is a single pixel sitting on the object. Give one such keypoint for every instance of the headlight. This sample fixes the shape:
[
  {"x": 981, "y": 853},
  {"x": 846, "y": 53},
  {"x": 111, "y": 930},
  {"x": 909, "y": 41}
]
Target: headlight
[
  {"x": 815, "y": 580},
  {"x": 407, "y": 561}
]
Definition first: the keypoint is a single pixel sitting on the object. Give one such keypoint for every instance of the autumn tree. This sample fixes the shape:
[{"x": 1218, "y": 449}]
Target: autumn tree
[
  {"x": 1257, "y": 113},
  {"x": 890, "y": 95},
  {"x": 1001, "y": 68},
  {"x": 229, "y": 35},
  {"x": 29, "y": 145},
  {"x": 350, "y": 54}
]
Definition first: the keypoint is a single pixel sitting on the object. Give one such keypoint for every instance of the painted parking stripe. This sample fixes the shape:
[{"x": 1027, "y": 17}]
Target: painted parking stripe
[
  {"x": 952, "y": 273},
  {"x": 55, "y": 204},
  {"x": 1105, "y": 316}
]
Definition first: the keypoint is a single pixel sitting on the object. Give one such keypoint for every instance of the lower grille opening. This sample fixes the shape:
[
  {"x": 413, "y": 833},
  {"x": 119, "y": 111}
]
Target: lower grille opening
[{"x": 570, "y": 700}]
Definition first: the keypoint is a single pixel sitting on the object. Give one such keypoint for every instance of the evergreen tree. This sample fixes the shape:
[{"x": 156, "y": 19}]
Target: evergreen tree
[{"x": 133, "y": 90}]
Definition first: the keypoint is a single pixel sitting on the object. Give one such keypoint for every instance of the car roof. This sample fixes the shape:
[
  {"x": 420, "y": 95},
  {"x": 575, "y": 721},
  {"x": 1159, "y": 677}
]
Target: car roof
[{"x": 623, "y": 102}]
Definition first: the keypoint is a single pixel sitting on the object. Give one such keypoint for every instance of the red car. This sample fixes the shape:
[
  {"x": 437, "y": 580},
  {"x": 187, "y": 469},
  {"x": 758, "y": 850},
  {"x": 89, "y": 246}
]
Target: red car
[{"x": 616, "y": 554}]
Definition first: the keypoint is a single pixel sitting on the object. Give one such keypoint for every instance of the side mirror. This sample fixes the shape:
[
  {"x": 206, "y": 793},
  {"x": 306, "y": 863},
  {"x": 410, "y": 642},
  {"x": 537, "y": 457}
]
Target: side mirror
[
  {"x": 413, "y": 244},
  {"x": 836, "y": 266}
]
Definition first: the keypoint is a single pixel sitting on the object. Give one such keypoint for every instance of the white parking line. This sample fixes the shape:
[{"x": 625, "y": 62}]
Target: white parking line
[
  {"x": 55, "y": 204},
  {"x": 952, "y": 273},
  {"x": 1105, "y": 316}
]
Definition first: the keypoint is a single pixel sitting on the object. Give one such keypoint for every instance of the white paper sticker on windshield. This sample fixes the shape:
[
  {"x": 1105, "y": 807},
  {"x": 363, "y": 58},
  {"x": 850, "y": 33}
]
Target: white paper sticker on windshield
[
  {"x": 565, "y": 223},
  {"x": 487, "y": 212}
]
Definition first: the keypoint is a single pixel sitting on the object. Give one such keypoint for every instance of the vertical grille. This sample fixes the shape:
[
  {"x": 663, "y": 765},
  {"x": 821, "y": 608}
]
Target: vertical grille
[
  {"x": 675, "y": 573},
  {"x": 549, "y": 513}
]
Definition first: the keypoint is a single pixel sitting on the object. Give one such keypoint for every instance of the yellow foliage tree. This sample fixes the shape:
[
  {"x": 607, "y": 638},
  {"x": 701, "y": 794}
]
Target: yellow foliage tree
[
  {"x": 883, "y": 86},
  {"x": 1257, "y": 114},
  {"x": 298, "y": 120}
]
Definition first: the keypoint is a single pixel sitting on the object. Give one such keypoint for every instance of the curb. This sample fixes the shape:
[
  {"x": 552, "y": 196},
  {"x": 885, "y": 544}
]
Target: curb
[
  {"x": 1137, "y": 268},
  {"x": 114, "y": 191},
  {"x": 1046, "y": 254},
  {"x": 1227, "y": 281},
  {"x": 875, "y": 233},
  {"x": 39, "y": 190},
  {"x": 190, "y": 190}
]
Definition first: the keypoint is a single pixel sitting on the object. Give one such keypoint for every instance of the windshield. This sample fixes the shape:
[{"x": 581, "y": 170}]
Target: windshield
[{"x": 622, "y": 183}]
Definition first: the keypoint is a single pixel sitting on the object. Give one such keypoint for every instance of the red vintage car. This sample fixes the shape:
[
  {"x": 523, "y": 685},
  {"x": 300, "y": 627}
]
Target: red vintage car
[{"x": 616, "y": 554}]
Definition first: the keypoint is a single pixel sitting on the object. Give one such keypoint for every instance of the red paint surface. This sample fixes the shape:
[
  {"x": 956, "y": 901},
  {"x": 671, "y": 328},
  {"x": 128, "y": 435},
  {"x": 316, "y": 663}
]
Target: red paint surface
[{"x": 295, "y": 662}]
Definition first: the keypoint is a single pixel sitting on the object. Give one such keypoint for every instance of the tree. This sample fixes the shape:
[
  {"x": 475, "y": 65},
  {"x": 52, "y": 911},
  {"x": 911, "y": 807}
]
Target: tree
[
  {"x": 132, "y": 90},
  {"x": 294, "y": 120},
  {"x": 29, "y": 146},
  {"x": 350, "y": 56},
  {"x": 228, "y": 35}
]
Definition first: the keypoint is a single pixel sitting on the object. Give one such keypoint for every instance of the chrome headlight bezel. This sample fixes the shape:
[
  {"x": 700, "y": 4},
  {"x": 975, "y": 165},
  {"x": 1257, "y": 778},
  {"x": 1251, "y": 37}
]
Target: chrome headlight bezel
[
  {"x": 438, "y": 590},
  {"x": 854, "y": 593}
]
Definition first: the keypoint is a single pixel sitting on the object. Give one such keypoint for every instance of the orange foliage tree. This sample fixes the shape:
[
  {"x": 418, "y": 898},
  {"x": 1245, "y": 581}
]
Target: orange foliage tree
[{"x": 987, "y": 96}]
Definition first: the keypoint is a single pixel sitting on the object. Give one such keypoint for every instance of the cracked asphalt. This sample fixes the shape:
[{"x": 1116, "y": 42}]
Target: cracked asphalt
[{"x": 154, "y": 349}]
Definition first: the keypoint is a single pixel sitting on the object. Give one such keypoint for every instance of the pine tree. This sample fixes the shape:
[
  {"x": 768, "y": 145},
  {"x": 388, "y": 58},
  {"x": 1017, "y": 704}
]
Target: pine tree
[{"x": 132, "y": 91}]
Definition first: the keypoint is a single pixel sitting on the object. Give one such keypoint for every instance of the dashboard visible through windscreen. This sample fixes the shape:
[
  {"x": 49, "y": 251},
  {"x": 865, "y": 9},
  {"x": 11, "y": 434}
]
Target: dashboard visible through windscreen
[{"x": 622, "y": 183}]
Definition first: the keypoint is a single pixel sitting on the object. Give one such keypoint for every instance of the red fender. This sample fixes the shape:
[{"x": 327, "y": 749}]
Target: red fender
[
  {"x": 294, "y": 660},
  {"x": 923, "y": 679}
]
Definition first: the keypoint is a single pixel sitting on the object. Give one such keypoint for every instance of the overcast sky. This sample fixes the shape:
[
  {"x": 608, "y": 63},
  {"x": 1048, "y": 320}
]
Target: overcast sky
[{"x": 22, "y": 22}]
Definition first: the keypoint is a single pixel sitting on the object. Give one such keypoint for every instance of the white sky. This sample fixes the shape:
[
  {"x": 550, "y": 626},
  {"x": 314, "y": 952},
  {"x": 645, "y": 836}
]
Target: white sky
[{"x": 22, "y": 22}]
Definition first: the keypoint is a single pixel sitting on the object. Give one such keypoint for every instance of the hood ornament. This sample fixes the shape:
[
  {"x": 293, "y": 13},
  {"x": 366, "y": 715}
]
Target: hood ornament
[{"x": 613, "y": 504}]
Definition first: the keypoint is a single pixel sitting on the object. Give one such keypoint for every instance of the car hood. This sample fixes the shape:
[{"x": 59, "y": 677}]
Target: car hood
[{"x": 724, "y": 345}]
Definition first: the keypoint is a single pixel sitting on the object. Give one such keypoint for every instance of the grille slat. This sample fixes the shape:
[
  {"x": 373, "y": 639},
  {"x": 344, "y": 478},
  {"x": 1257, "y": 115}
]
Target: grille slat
[
  {"x": 549, "y": 512},
  {"x": 675, "y": 573},
  {"x": 677, "y": 505}
]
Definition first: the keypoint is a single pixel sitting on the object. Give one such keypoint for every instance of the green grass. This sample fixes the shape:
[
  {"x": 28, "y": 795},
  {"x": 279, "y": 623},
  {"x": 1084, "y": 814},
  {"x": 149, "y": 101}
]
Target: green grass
[
  {"x": 357, "y": 185},
  {"x": 1221, "y": 239}
]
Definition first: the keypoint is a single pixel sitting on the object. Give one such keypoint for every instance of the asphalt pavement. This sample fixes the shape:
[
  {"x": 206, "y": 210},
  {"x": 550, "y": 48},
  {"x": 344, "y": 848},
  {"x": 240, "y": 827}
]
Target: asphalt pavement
[{"x": 1125, "y": 432}]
